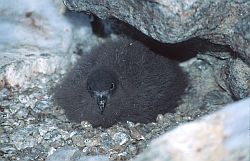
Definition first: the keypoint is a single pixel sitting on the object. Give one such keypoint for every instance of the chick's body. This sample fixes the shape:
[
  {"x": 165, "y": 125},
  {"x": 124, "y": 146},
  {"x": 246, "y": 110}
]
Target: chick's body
[{"x": 146, "y": 84}]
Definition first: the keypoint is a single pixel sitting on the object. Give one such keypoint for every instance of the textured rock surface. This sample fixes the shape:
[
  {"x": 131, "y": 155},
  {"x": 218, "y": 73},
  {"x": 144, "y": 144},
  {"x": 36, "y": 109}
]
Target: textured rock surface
[
  {"x": 238, "y": 81},
  {"x": 223, "y": 21},
  {"x": 220, "y": 136}
]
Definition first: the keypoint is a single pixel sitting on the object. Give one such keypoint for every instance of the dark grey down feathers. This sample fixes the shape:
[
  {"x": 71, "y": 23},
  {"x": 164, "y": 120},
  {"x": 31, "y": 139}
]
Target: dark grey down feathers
[{"x": 120, "y": 80}]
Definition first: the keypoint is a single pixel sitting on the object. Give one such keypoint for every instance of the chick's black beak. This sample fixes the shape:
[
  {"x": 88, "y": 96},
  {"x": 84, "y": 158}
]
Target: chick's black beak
[{"x": 101, "y": 101}]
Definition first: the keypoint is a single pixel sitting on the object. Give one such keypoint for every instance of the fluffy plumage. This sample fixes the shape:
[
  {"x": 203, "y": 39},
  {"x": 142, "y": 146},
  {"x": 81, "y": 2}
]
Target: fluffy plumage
[{"x": 139, "y": 85}]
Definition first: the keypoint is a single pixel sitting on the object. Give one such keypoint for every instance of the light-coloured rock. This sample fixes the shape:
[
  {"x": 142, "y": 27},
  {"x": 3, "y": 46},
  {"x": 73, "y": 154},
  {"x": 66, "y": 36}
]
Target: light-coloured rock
[
  {"x": 36, "y": 38},
  {"x": 62, "y": 154},
  {"x": 222, "y": 136}
]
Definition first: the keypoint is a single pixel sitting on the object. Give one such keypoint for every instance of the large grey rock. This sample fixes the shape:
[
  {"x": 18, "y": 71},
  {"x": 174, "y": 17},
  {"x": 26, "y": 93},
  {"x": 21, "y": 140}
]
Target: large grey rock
[
  {"x": 222, "y": 22},
  {"x": 222, "y": 136}
]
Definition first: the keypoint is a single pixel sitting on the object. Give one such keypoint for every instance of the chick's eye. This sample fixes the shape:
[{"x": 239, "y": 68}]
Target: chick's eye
[{"x": 112, "y": 86}]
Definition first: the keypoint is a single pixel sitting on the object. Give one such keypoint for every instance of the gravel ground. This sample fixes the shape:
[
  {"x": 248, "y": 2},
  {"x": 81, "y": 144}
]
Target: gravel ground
[{"x": 33, "y": 126}]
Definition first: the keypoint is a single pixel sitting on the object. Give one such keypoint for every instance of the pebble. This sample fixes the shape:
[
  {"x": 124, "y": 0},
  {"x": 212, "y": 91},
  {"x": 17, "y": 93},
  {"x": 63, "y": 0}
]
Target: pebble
[
  {"x": 160, "y": 119},
  {"x": 121, "y": 138},
  {"x": 78, "y": 140}
]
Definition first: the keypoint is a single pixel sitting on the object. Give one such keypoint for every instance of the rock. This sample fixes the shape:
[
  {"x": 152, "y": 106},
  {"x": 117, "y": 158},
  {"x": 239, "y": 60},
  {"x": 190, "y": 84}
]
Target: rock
[
  {"x": 135, "y": 134},
  {"x": 232, "y": 75},
  {"x": 121, "y": 138},
  {"x": 222, "y": 22},
  {"x": 223, "y": 135},
  {"x": 45, "y": 36},
  {"x": 78, "y": 140},
  {"x": 62, "y": 154},
  {"x": 238, "y": 79}
]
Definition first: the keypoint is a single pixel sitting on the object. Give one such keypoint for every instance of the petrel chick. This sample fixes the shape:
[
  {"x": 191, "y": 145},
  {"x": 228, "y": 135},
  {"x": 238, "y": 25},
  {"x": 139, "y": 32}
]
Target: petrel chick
[{"x": 121, "y": 80}]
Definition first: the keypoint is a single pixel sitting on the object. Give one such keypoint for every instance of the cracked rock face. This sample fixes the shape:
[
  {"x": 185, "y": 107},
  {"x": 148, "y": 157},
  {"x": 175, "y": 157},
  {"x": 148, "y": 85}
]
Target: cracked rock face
[{"x": 222, "y": 22}]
